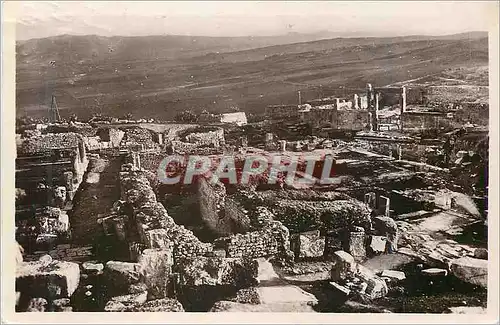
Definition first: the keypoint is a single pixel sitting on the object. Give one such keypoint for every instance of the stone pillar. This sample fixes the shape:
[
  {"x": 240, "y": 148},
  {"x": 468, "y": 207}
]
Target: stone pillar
[
  {"x": 355, "y": 244},
  {"x": 355, "y": 101},
  {"x": 81, "y": 151},
  {"x": 369, "y": 94},
  {"x": 403, "y": 99},
  {"x": 269, "y": 141},
  {"x": 384, "y": 205},
  {"x": 370, "y": 199},
  {"x": 160, "y": 138},
  {"x": 244, "y": 141},
  {"x": 386, "y": 226},
  {"x": 400, "y": 152},
  {"x": 283, "y": 145},
  {"x": 375, "y": 115}
]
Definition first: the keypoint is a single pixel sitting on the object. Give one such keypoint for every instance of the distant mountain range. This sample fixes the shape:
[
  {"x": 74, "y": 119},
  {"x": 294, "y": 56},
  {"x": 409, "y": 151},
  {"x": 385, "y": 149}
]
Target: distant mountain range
[{"x": 155, "y": 76}]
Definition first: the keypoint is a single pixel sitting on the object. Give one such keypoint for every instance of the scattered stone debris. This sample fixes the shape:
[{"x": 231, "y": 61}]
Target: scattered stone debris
[
  {"x": 356, "y": 277},
  {"x": 271, "y": 247}
]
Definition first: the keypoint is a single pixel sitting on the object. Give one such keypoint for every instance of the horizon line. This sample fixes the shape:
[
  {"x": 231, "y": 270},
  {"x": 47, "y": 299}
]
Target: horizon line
[{"x": 266, "y": 36}]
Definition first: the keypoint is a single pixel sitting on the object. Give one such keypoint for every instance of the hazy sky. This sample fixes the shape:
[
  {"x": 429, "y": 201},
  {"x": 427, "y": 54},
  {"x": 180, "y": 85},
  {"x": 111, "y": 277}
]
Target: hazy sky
[{"x": 224, "y": 18}]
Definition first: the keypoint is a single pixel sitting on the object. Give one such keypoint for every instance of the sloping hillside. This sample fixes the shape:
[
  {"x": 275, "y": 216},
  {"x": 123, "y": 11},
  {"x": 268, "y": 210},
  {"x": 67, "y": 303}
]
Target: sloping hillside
[{"x": 157, "y": 76}]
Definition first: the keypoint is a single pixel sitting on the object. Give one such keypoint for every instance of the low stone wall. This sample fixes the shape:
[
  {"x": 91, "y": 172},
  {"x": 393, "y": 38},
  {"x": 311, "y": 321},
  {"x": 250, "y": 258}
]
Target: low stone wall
[
  {"x": 206, "y": 137},
  {"x": 252, "y": 244},
  {"x": 64, "y": 252},
  {"x": 236, "y": 214},
  {"x": 272, "y": 239}
]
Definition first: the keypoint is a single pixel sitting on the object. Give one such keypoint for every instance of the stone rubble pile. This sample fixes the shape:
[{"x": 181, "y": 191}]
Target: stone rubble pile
[
  {"x": 355, "y": 279},
  {"x": 216, "y": 271},
  {"x": 50, "y": 141},
  {"x": 63, "y": 252}
]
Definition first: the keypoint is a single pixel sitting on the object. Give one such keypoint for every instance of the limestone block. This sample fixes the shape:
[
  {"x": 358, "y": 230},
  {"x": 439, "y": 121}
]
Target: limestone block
[
  {"x": 120, "y": 275},
  {"x": 435, "y": 272},
  {"x": 136, "y": 298},
  {"x": 310, "y": 245},
  {"x": 376, "y": 286},
  {"x": 344, "y": 266},
  {"x": 386, "y": 226},
  {"x": 197, "y": 271},
  {"x": 54, "y": 280},
  {"x": 355, "y": 244},
  {"x": 393, "y": 275},
  {"x": 156, "y": 266},
  {"x": 90, "y": 267},
  {"x": 471, "y": 270},
  {"x": 378, "y": 244}
]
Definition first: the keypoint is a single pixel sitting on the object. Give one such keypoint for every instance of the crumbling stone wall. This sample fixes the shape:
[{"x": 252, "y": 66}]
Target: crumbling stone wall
[
  {"x": 272, "y": 239},
  {"x": 208, "y": 138},
  {"x": 180, "y": 147},
  {"x": 352, "y": 120},
  {"x": 252, "y": 244},
  {"x": 222, "y": 215},
  {"x": 63, "y": 252},
  {"x": 138, "y": 136},
  {"x": 151, "y": 160},
  {"x": 301, "y": 216},
  {"x": 156, "y": 229},
  {"x": 236, "y": 215},
  {"x": 211, "y": 199}
]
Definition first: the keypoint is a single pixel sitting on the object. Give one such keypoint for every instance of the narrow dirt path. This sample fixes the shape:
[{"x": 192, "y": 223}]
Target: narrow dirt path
[{"x": 98, "y": 192}]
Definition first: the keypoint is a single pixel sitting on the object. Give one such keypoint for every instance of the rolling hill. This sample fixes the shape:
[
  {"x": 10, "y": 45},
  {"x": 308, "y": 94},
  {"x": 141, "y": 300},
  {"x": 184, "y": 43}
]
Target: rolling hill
[{"x": 156, "y": 76}]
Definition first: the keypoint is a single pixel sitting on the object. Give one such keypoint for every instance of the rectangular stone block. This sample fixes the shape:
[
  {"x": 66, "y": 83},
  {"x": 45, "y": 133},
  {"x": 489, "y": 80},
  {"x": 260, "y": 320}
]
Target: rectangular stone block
[
  {"x": 156, "y": 267},
  {"x": 50, "y": 281},
  {"x": 355, "y": 245}
]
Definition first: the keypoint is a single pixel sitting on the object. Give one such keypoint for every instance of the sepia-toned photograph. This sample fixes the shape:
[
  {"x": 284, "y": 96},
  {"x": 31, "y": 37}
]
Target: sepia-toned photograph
[{"x": 213, "y": 157}]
